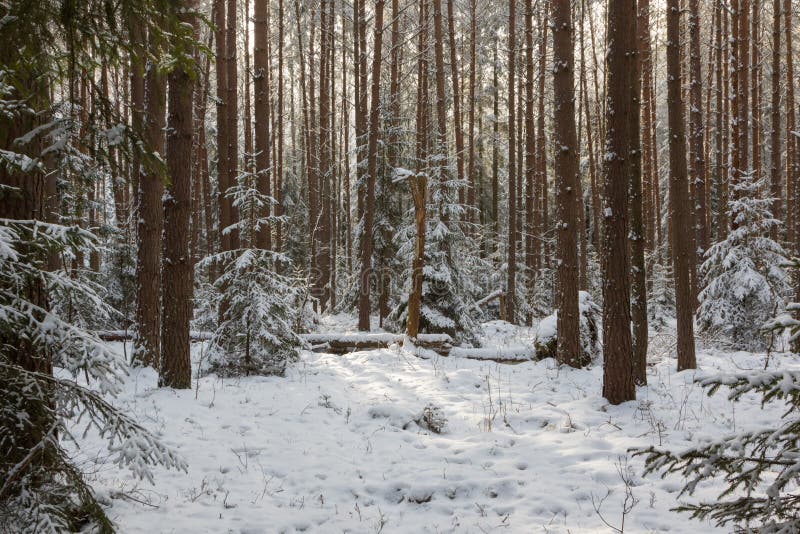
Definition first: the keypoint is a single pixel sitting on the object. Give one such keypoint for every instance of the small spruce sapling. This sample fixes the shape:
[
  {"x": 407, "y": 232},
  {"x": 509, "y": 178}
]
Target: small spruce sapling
[
  {"x": 744, "y": 283},
  {"x": 259, "y": 305}
]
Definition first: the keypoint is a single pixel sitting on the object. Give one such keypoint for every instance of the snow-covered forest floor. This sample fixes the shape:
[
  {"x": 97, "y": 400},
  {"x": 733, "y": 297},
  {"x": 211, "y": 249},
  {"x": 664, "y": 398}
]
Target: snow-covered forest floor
[{"x": 334, "y": 446}]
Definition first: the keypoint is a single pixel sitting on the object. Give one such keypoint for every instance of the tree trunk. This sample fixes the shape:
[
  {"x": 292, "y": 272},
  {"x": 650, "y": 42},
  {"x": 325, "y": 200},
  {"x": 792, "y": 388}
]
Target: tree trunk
[
  {"x": 649, "y": 172},
  {"x": 150, "y": 221},
  {"x": 792, "y": 156},
  {"x": 232, "y": 103},
  {"x": 223, "y": 178},
  {"x": 682, "y": 248},
  {"x": 325, "y": 167},
  {"x": 372, "y": 166},
  {"x": 566, "y": 170},
  {"x": 775, "y": 132},
  {"x": 719, "y": 164},
  {"x": 542, "y": 225},
  {"x": 621, "y": 72},
  {"x": 459, "y": 128},
  {"x": 418, "y": 186},
  {"x": 697, "y": 131},
  {"x": 755, "y": 87},
  {"x": 590, "y": 148},
  {"x": 178, "y": 268},
  {"x": 530, "y": 160},
  {"x": 633, "y": 169},
  {"x": 261, "y": 91},
  {"x": 511, "y": 244},
  {"x": 495, "y": 153},
  {"x": 471, "y": 205},
  {"x": 277, "y": 190}
]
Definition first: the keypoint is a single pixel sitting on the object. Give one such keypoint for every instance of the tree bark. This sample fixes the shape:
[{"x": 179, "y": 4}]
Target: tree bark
[
  {"x": 568, "y": 349},
  {"x": 542, "y": 225},
  {"x": 178, "y": 268},
  {"x": 775, "y": 126},
  {"x": 223, "y": 179},
  {"x": 530, "y": 161},
  {"x": 682, "y": 249},
  {"x": 325, "y": 166},
  {"x": 459, "y": 128},
  {"x": 511, "y": 250},
  {"x": 471, "y": 205},
  {"x": 418, "y": 186},
  {"x": 649, "y": 172},
  {"x": 697, "y": 130},
  {"x": 621, "y": 74},
  {"x": 637, "y": 238},
  {"x": 232, "y": 116},
  {"x": 372, "y": 166},
  {"x": 147, "y": 347},
  {"x": 277, "y": 190},
  {"x": 261, "y": 91},
  {"x": 792, "y": 156}
]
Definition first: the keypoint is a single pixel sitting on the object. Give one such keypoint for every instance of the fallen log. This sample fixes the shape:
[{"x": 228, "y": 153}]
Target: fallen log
[
  {"x": 344, "y": 343},
  {"x": 127, "y": 335}
]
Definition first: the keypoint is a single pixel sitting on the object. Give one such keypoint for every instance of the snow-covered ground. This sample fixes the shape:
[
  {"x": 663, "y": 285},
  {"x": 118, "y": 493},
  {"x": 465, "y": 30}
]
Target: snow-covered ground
[{"x": 333, "y": 446}]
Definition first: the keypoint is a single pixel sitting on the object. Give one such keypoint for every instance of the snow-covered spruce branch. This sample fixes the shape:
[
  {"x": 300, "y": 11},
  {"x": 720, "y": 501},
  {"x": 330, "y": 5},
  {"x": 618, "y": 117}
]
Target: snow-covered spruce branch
[{"x": 760, "y": 469}]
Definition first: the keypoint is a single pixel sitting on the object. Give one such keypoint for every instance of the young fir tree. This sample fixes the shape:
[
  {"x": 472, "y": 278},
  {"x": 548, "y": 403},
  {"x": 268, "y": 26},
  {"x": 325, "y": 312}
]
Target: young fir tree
[
  {"x": 256, "y": 332},
  {"x": 744, "y": 282}
]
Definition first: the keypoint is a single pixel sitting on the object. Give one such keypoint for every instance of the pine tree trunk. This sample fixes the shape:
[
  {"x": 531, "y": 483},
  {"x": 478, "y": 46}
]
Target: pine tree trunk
[
  {"x": 590, "y": 149},
  {"x": 441, "y": 102},
  {"x": 637, "y": 238},
  {"x": 261, "y": 91},
  {"x": 566, "y": 172},
  {"x": 530, "y": 160},
  {"x": 248, "y": 158},
  {"x": 348, "y": 230},
  {"x": 697, "y": 130},
  {"x": 232, "y": 103},
  {"x": 178, "y": 268},
  {"x": 755, "y": 87},
  {"x": 223, "y": 175},
  {"x": 136, "y": 81},
  {"x": 511, "y": 244},
  {"x": 418, "y": 183},
  {"x": 459, "y": 128},
  {"x": 147, "y": 348},
  {"x": 775, "y": 126},
  {"x": 277, "y": 190},
  {"x": 682, "y": 250},
  {"x": 324, "y": 151},
  {"x": 418, "y": 186},
  {"x": 471, "y": 205},
  {"x": 372, "y": 166},
  {"x": 361, "y": 102},
  {"x": 792, "y": 143},
  {"x": 725, "y": 173},
  {"x": 649, "y": 172},
  {"x": 542, "y": 226},
  {"x": 743, "y": 96},
  {"x": 496, "y": 154},
  {"x": 621, "y": 72},
  {"x": 719, "y": 164}
]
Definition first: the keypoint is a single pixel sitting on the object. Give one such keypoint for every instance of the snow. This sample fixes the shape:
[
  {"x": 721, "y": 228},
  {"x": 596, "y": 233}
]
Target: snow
[{"x": 335, "y": 447}]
